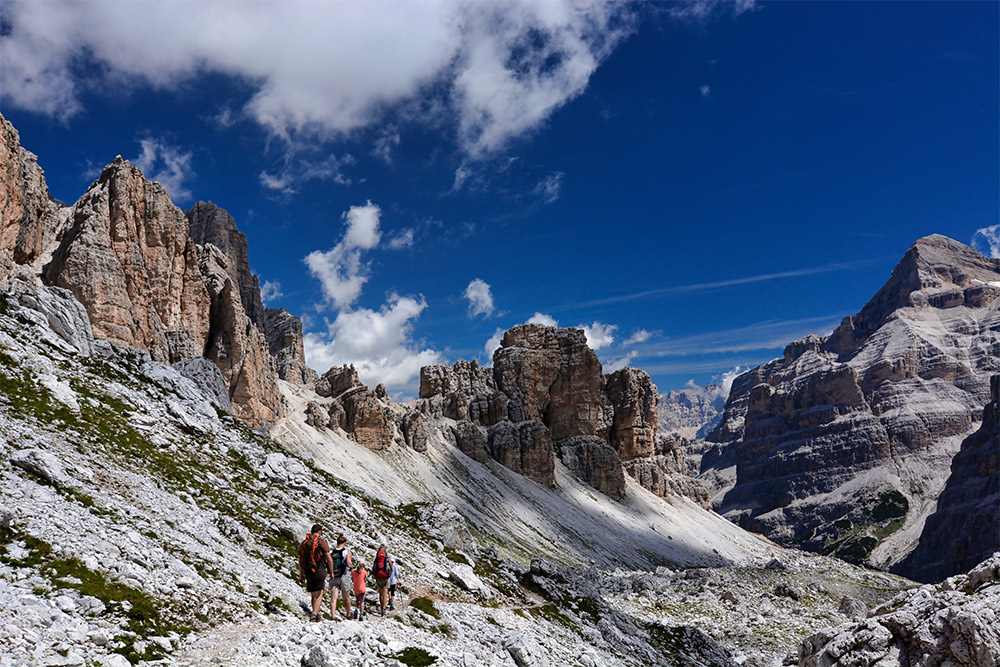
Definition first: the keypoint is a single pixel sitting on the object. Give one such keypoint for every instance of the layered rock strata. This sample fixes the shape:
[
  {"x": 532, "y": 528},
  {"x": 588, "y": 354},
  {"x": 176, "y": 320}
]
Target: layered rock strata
[
  {"x": 965, "y": 528},
  {"x": 844, "y": 444}
]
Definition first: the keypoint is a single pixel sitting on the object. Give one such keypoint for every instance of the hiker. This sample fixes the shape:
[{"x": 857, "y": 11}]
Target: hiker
[
  {"x": 314, "y": 564},
  {"x": 382, "y": 569},
  {"x": 358, "y": 577},
  {"x": 340, "y": 580},
  {"x": 393, "y": 580}
]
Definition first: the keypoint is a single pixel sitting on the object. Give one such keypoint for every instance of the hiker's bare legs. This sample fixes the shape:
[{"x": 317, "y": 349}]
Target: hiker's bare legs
[
  {"x": 333, "y": 603},
  {"x": 383, "y": 596},
  {"x": 317, "y": 601}
]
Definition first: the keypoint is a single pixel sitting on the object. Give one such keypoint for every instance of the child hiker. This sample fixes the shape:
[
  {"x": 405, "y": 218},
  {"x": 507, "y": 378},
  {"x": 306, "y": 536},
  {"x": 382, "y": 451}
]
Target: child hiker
[{"x": 358, "y": 577}]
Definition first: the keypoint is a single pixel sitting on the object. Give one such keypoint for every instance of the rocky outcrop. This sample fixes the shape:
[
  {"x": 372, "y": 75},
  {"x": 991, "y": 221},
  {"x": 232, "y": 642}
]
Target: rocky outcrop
[
  {"x": 452, "y": 390},
  {"x": 557, "y": 379},
  {"x": 126, "y": 256},
  {"x": 208, "y": 378},
  {"x": 238, "y": 347},
  {"x": 845, "y": 442},
  {"x": 414, "y": 431},
  {"x": 207, "y": 223},
  {"x": 337, "y": 380},
  {"x": 363, "y": 414},
  {"x": 596, "y": 462},
  {"x": 471, "y": 441},
  {"x": 367, "y": 421},
  {"x": 29, "y": 217},
  {"x": 525, "y": 448},
  {"x": 965, "y": 529},
  {"x": 634, "y": 398},
  {"x": 284, "y": 340},
  {"x": 669, "y": 472},
  {"x": 955, "y": 623}
]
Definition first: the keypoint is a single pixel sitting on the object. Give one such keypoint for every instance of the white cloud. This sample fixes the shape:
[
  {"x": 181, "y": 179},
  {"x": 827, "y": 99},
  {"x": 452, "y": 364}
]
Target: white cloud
[
  {"x": 706, "y": 90},
  {"x": 480, "y": 298},
  {"x": 725, "y": 381},
  {"x": 462, "y": 174},
  {"x": 323, "y": 70},
  {"x": 987, "y": 241},
  {"x": 620, "y": 363},
  {"x": 167, "y": 165},
  {"x": 403, "y": 239},
  {"x": 377, "y": 343},
  {"x": 340, "y": 269},
  {"x": 549, "y": 187},
  {"x": 542, "y": 318},
  {"x": 297, "y": 168},
  {"x": 703, "y": 10},
  {"x": 493, "y": 344},
  {"x": 598, "y": 334},
  {"x": 270, "y": 292},
  {"x": 640, "y": 336},
  {"x": 387, "y": 142}
]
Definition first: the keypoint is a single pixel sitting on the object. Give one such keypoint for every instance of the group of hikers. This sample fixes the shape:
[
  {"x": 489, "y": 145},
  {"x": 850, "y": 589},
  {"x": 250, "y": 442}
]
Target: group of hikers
[{"x": 321, "y": 567}]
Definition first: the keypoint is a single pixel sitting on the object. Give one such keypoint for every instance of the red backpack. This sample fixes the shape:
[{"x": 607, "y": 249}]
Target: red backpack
[
  {"x": 382, "y": 567},
  {"x": 309, "y": 553}
]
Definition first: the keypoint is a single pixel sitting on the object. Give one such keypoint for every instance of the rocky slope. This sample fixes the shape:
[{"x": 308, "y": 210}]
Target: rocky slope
[
  {"x": 147, "y": 274},
  {"x": 844, "y": 444},
  {"x": 954, "y": 623},
  {"x": 965, "y": 528},
  {"x": 139, "y": 521}
]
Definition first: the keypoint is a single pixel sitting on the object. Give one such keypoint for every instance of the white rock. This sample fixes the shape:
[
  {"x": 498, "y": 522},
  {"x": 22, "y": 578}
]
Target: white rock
[
  {"x": 41, "y": 463},
  {"x": 465, "y": 578}
]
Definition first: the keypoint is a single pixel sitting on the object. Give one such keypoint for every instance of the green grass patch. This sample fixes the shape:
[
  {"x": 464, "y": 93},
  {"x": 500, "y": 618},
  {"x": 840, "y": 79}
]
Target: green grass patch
[
  {"x": 426, "y": 605},
  {"x": 414, "y": 657}
]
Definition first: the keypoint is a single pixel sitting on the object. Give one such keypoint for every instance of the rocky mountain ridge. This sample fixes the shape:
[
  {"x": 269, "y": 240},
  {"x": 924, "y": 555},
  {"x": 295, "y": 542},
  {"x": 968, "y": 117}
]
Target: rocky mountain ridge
[
  {"x": 844, "y": 444},
  {"x": 152, "y": 277}
]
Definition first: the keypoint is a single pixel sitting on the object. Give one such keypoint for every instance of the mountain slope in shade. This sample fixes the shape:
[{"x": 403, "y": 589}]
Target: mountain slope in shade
[
  {"x": 965, "y": 529},
  {"x": 844, "y": 444}
]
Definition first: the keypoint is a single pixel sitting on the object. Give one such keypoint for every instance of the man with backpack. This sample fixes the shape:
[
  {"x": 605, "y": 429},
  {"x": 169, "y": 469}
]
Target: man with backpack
[
  {"x": 340, "y": 579},
  {"x": 314, "y": 564},
  {"x": 382, "y": 569}
]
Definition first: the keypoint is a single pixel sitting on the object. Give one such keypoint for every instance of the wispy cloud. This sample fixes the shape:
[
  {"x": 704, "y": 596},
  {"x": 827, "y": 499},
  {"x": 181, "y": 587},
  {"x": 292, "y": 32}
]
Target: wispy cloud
[
  {"x": 549, "y": 187},
  {"x": 769, "y": 335},
  {"x": 706, "y": 90},
  {"x": 270, "y": 292},
  {"x": 166, "y": 164},
  {"x": 720, "y": 284}
]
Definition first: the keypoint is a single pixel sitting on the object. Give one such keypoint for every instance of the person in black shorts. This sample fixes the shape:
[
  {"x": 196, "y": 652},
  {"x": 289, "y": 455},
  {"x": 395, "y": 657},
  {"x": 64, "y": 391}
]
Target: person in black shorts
[{"x": 314, "y": 567}]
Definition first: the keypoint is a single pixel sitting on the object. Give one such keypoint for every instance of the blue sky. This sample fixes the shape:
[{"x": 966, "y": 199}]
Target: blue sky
[{"x": 697, "y": 183}]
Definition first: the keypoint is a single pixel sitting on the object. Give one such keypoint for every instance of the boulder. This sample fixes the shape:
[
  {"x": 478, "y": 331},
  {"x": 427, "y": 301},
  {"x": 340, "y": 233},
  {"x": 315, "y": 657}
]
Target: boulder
[
  {"x": 444, "y": 523},
  {"x": 595, "y": 462},
  {"x": 208, "y": 378},
  {"x": 463, "y": 576},
  {"x": 63, "y": 314},
  {"x": 41, "y": 463},
  {"x": 285, "y": 471}
]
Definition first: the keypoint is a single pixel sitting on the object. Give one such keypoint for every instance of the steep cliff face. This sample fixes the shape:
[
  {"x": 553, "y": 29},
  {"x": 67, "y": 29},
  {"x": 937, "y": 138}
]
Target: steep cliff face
[
  {"x": 284, "y": 339},
  {"x": 965, "y": 529},
  {"x": 237, "y": 346},
  {"x": 126, "y": 253},
  {"x": 29, "y": 220},
  {"x": 126, "y": 256},
  {"x": 207, "y": 223},
  {"x": 843, "y": 445}
]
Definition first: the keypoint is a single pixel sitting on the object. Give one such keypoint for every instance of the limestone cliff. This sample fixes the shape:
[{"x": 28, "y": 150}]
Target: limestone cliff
[{"x": 844, "y": 444}]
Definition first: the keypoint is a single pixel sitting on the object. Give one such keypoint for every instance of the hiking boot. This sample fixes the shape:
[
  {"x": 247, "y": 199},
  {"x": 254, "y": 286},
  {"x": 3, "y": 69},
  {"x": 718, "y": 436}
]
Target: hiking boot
[
  {"x": 391, "y": 607},
  {"x": 314, "y": 618}
]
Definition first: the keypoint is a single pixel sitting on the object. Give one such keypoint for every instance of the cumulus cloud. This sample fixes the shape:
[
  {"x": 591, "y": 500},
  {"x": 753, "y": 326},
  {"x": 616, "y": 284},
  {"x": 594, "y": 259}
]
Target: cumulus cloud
[
  {"x": 598, "y": 334},
  {"x": 270, "y": 292},
  {"x": 377, "y": 342},
  {"x": 340, "y": 270},
  {"x": 987, "y": 241},
  {"x": 640, "y": 336},
  {"x": 542, "y": 318},
  {"x": 498, "y": 70},
  {"x": 168, "y": 165},
  {"x": 480, "y": 298}
]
